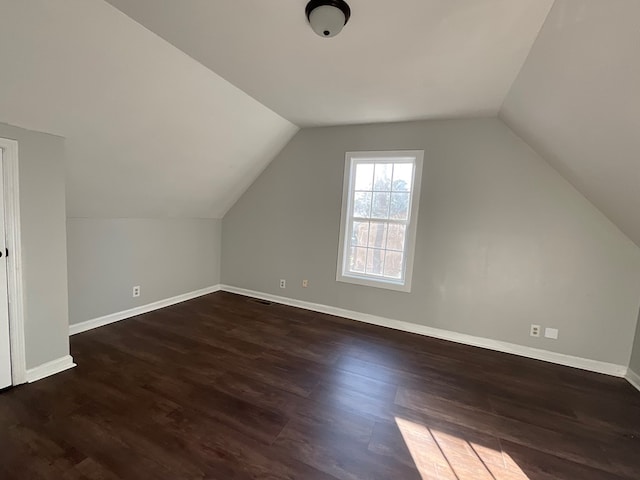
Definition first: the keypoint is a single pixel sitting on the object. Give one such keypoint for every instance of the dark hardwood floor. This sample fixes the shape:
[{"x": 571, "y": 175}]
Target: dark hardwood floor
[{"x": 223, "y": 387}]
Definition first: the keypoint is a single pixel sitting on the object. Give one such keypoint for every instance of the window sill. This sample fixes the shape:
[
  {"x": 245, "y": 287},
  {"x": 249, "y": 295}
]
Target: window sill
[{"x": 370, "y": 282}]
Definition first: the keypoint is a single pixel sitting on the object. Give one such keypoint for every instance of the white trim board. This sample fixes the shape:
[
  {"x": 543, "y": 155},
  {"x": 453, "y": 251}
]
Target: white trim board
[
  {"x": 11, "y": 192},
  {"x": 633, "y": 378},
  {"x": 497, "y": 345},
  {"x": 50, "y": 368},
  {"x": 132, "y": 312}
]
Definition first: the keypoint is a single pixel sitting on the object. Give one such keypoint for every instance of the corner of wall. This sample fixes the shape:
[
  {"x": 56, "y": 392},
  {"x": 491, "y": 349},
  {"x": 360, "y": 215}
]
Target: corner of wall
[{"x": 634, "y": 363}]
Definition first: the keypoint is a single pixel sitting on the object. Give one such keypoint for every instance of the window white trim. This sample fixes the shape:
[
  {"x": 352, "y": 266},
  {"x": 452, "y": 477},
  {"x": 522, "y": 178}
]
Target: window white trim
[{"x": 351, "y": 159}]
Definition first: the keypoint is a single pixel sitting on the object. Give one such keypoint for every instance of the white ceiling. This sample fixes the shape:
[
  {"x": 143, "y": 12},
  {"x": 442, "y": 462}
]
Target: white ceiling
[
  {"x": 577, "y": 101},
  {"x": 153, "y": 130},
  {"x": 395, "y": 60},
  {"x": 150, "y": 131}
]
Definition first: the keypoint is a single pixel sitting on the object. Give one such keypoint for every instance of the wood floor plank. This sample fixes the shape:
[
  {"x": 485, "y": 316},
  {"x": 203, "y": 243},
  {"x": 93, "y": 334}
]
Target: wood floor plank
[{"x": 223, "y": 387}]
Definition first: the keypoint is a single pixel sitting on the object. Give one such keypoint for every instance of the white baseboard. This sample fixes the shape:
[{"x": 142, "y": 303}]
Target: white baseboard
[
  {"x": 132, "y": 312},
  {"x": 50, "y": 368},
  {"x": 497, "y": 345},
  {"x": 633, "y": 378}
]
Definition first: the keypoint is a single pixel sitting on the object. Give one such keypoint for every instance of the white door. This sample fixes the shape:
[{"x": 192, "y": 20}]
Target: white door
[{"x": 5, "y": 352}]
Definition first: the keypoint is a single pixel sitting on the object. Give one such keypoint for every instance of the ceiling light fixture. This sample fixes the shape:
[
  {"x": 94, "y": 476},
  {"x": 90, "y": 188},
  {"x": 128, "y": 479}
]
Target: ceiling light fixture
[{"x": 327, "y": 17}]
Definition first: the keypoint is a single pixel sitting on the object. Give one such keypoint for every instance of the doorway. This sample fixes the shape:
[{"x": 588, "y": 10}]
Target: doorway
[
  {"x": 5, "y": 340},
  {"x": 13, "y": 370}
]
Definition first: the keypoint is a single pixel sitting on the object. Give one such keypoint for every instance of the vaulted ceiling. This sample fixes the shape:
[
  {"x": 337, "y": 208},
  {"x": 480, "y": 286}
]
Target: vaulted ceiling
[
  {"x": 577, "y": 101},
  {"x": 174, "y": 107},
  {"x": 395, "y": 60},
  {"x": 150, "y": 132}
]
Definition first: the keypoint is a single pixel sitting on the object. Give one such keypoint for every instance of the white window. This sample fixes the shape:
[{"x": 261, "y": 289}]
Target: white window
[{"x": 379, "y": 217}]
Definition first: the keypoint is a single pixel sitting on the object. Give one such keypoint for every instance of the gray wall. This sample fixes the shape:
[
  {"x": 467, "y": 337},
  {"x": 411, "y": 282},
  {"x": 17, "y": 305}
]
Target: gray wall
[
  {"x": 503, "y": 240},
  {"x": 634, "y": 365},
  {"x": 166, "y": 257},
  {"x": 44, "y": 254}
]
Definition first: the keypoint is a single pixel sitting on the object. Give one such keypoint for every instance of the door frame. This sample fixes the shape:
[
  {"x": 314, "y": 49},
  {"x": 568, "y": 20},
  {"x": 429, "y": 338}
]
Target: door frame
[{"x": 14, "y": 260}]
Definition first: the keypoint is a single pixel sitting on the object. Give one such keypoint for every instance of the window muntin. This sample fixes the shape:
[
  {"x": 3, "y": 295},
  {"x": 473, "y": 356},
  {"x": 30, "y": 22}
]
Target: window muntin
[{"x": 378, "y": 218}]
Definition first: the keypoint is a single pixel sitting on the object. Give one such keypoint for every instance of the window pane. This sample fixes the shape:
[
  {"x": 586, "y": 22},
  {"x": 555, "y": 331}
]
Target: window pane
[
  {"x": 380, "y": 207},
  {"x": 393, "y": 265},
  {"x": 399, "y": 209},
  {"x": 395, "y": 237},
  {"x": 402, "y": 176},
  {"x": 375, "y": 261},
  {"x": 362, "y": 204},
  {"x": 378, "y": 235},
  {"x": 364, "y": 176},
  {"x": 377, "y": 221},
  {"x": 360, "y": 234},
  {"x": 357, "y": 260},
  {"x": 383, "y": 177}
]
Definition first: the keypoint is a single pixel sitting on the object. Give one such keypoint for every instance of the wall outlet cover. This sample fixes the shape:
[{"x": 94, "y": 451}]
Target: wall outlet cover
[
  {"x": 551, "y": 333},
  {"x": 535, "y": 330}
]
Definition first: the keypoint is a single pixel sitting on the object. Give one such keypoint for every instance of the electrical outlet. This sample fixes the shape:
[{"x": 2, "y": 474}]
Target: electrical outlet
[
  {"x": 551, "y": 333},
  {"x": 283, "y": 284},
  {"x": 136, "y": 291},
  {"x": 305, "y": 283},
  {"x": 535, "y": 331}
]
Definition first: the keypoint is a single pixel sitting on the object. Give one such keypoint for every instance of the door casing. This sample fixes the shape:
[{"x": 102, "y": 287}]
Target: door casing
[{"x": 14, "y": 260}]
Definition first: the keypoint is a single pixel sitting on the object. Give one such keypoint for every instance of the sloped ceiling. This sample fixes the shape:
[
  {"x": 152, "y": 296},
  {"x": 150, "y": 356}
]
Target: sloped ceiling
[
  {"x": 577, "y": 101},
  {"x": 395, "y": 60},
  {"x": 150, "y": 131},
  {"x": 153, "y": 129}
]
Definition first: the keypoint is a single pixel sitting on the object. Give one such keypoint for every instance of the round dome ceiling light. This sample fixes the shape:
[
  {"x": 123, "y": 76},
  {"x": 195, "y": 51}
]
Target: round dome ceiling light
[{"x": 328, "y": 17}]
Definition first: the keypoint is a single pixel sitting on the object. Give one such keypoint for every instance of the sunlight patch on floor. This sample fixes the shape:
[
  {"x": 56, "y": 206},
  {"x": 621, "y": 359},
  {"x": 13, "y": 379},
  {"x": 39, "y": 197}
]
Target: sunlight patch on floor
[{"x": 439, "y": 455}]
